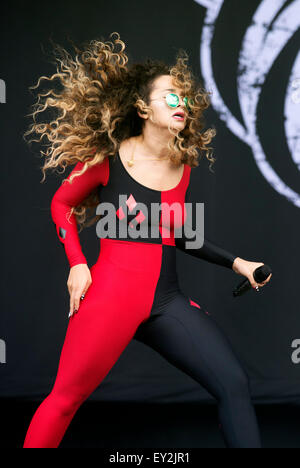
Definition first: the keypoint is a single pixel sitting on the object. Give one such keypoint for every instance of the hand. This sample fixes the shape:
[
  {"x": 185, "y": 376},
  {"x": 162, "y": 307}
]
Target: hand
[
  {"x": 78, "y": 283},
  {"x": 245, "y": 268}
]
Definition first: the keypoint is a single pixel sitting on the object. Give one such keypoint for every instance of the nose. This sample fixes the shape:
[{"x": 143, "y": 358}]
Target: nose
[{"x": 181, "y": 103}]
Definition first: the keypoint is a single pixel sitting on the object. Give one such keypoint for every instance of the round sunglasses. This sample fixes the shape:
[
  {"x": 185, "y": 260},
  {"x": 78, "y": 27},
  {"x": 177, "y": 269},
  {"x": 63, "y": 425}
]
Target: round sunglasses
[{"x": 173, "y": 100}]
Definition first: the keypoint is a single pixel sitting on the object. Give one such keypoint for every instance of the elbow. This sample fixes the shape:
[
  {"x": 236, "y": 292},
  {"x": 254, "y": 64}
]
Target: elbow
[
  {"x": 56, "y": 215},
  {"x": 54, "y": 207}
]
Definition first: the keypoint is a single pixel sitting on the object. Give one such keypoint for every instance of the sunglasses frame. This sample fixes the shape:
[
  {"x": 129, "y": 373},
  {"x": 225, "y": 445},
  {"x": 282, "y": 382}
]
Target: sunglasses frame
[{"x": 173, "y": 100}]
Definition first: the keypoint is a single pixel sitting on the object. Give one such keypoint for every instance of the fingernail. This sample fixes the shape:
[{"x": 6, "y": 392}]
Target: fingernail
[{"x": 70, "y": 314}]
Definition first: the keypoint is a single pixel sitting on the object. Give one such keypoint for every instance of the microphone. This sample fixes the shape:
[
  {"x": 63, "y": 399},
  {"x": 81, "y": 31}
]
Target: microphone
[{"x": 260, "y": 275}]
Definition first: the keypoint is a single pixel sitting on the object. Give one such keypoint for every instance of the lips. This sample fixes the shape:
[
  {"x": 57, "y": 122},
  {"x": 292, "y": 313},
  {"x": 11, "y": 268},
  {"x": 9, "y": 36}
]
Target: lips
[{"x": 179, "y": 114}]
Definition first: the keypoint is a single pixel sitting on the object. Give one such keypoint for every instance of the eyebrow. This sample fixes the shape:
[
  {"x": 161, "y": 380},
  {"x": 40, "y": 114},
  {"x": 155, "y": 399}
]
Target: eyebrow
[
  {"x": 172, "y": 89},
  {"x": 167, "y": 89}
]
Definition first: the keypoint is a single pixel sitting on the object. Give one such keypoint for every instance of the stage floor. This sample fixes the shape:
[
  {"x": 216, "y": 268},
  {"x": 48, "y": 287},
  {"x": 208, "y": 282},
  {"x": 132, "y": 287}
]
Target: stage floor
[{"x": 120, "y": 425}]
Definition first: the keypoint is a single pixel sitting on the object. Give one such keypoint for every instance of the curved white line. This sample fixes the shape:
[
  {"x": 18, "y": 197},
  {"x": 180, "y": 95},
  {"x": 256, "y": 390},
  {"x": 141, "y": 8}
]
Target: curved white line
[
  {"x": 260, "y": 50},
  {"x": 292, "y": 113},
  {"x": 232, "y": 123}
]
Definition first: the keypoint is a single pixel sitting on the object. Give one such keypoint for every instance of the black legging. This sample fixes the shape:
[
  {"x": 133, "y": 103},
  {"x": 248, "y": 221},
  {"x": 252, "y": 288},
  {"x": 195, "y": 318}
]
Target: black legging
[{"x": 192, "y": 341}]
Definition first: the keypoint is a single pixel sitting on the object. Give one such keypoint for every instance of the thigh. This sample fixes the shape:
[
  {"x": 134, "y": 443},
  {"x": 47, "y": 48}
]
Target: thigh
[
  {"x": 99, "y": 332},
  {"x": 192, "y": 341}
]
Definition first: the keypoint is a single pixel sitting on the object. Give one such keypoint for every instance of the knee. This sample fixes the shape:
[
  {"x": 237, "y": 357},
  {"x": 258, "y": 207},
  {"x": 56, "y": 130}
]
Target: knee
[
  {"x": 236, "y": 385},
  {"x": 66, "y": 403}
]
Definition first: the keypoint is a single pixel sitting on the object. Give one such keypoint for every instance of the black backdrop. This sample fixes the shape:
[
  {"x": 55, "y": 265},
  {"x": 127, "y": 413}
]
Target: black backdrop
[{"x": 244, "y": 212}]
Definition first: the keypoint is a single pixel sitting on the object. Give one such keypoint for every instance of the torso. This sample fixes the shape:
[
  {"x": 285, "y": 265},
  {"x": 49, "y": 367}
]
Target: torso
[
  {"x": 134, "y": 202},
  {"x": 158, "y": 175}
]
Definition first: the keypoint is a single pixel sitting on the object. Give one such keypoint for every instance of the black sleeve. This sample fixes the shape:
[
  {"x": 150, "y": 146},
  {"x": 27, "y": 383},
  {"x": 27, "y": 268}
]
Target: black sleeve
[{"x": 207, "y": 251}]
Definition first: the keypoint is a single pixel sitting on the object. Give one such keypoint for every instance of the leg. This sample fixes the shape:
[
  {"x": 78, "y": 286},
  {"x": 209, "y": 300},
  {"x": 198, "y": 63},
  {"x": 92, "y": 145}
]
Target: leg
[
  {"x": 95, "y": 338},
  {"x": 193, "y": 342}
]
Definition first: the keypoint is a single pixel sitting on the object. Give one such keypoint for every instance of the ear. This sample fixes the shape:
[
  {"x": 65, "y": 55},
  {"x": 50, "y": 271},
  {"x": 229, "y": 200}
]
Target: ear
[{"x": 143, "y": 114}]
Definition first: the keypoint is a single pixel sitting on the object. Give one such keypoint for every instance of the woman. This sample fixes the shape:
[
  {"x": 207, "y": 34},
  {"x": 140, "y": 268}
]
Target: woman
[{"x": 118, "y": 125}]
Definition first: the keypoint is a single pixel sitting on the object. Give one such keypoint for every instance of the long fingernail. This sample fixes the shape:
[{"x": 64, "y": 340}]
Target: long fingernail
[{"x": 70, "y": 314}]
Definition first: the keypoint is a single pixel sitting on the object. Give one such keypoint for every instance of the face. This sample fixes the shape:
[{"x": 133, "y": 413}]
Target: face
[{"x": 163, "y": 114}]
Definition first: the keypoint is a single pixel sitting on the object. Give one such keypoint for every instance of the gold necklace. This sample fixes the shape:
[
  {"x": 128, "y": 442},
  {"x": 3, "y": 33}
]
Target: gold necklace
[{"x": 131, "y": 163}]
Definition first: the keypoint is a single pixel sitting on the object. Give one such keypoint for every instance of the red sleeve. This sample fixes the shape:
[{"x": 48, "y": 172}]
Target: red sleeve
[{"x": 70, "y": 195}]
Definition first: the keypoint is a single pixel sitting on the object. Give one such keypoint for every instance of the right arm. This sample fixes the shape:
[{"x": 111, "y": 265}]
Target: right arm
[
  {"x": 67, "y": 196},
  {"x": 70, "y": 195}
]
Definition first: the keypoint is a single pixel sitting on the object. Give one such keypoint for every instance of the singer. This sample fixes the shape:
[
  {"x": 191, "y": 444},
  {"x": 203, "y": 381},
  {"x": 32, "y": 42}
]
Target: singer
[{"x": 133, "y": 130}]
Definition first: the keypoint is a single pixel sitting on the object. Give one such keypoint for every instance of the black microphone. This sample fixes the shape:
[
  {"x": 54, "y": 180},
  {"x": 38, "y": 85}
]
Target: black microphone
[{"x": 260, "y": 275}]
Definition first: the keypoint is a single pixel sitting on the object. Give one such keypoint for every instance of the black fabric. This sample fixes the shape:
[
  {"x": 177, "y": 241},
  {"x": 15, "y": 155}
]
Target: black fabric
[
  {"x": 209, "y": 251},
  {"x": 192, "y": 341}
]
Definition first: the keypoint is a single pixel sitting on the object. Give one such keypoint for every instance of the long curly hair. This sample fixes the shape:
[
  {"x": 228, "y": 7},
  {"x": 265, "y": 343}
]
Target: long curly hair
[{"x": 97, "y": 109}]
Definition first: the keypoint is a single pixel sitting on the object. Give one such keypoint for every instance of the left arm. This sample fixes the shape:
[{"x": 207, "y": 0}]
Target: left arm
[
  {"x": 213, "y": 253},
  {"x": 209, "y": 251}
]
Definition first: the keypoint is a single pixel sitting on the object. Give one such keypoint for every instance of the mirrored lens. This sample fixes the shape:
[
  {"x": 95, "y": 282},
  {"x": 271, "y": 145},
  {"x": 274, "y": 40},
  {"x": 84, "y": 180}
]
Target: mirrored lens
[
  {"x": 187, "y": 101},
  {"x": 172, "y": 100}
]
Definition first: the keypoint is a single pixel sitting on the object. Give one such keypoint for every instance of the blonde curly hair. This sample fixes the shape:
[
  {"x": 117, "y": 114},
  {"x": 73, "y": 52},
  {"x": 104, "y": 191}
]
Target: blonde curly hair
[{"x": 98, "y": 106}]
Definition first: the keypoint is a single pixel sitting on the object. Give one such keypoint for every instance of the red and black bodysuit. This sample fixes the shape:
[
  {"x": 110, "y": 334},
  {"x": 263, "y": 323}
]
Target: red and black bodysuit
[{"x": 135, "y": 295}]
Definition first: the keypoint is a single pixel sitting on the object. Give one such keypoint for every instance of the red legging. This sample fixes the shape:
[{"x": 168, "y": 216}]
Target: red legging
[
  {"x": 118, "y": 300},
  {"x": 135, "y": 294}
]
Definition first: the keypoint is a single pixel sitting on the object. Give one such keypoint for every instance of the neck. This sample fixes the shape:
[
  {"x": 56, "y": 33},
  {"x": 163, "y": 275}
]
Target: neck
[{"x": 154, "y": 144}]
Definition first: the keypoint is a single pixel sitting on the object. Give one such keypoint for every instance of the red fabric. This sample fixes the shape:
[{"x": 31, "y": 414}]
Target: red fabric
[
  {"x": 194, "y": 303},
  {"x": 72, "y": 194},
  {"x": 118, "y": 300}
]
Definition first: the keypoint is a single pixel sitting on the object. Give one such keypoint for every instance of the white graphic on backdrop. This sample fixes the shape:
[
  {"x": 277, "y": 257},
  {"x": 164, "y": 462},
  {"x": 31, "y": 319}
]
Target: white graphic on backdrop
[{"x": 260, "y": 48}]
